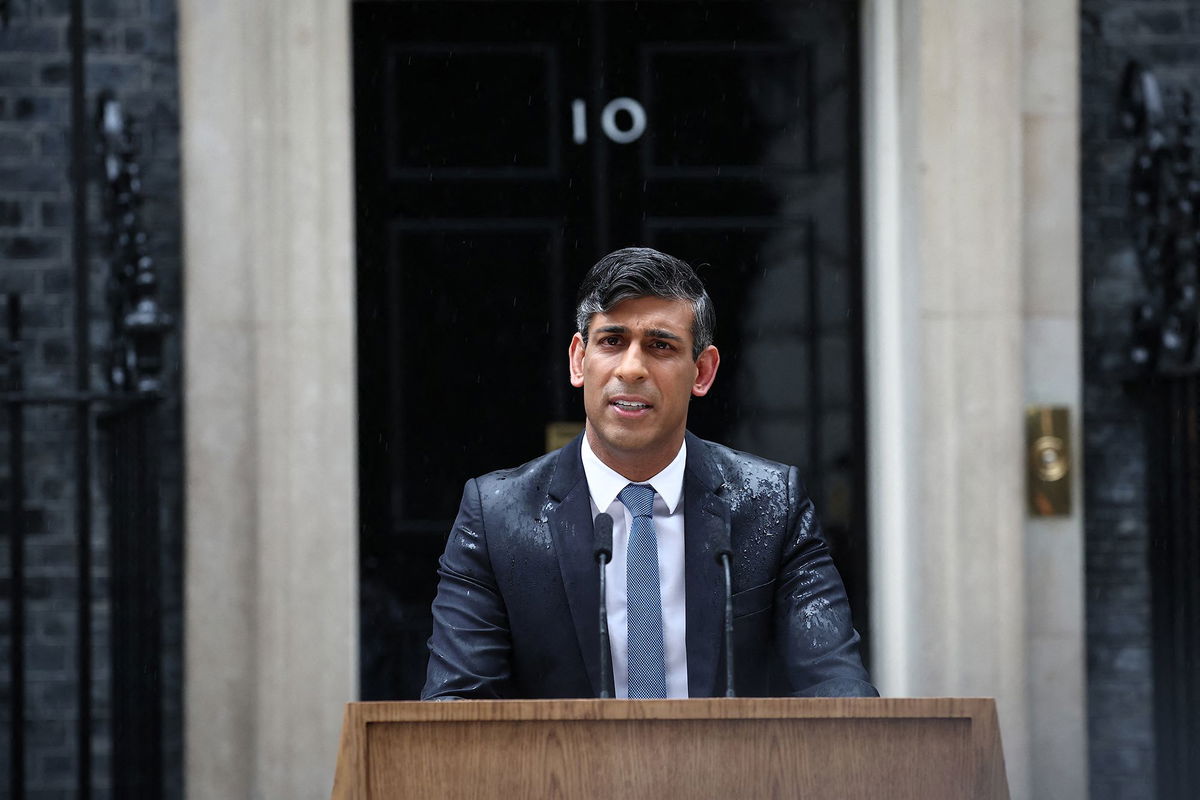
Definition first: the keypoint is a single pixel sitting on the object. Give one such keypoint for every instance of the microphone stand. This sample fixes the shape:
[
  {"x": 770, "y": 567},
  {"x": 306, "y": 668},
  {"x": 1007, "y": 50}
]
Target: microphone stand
[
  {"x": 724, "y": 555},
  {"x": 725, "y": 558},
  {"x": 603, "y": 554}
]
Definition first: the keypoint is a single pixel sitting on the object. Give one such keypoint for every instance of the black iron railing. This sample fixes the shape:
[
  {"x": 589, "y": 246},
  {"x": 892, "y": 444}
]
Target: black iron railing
[
  {"x": 1165, "y": 355},
  {"x": 121, "y": 422},
  {"x": 1173, "y": 450}
]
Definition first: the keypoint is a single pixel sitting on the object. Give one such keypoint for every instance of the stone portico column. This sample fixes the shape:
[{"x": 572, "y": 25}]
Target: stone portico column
[
  {"x": 942, "y": 91},
  {"x": 271, "y": 539},
  {"x": 971, "y": 113}
]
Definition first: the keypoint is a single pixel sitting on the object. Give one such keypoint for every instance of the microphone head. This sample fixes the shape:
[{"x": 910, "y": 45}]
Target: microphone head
[{"x": 603, "y": 540}]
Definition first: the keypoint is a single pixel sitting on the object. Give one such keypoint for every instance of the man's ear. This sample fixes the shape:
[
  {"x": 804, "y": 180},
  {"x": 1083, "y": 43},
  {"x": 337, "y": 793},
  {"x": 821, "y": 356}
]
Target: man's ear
[
  {"x": 706, "y": 370},
  {"x": 575, "y": 353}
]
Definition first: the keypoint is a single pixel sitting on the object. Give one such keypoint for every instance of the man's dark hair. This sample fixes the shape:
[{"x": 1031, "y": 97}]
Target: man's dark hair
[{"x": 644, "y": 272}]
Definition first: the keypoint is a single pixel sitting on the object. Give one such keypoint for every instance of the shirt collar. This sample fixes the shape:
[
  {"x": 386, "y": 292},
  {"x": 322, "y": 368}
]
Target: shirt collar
[{"x": 605, "y": 483}]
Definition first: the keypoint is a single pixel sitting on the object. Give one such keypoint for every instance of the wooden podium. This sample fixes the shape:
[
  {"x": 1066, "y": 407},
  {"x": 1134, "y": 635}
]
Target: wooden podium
[{"x": 713, "y": 748}]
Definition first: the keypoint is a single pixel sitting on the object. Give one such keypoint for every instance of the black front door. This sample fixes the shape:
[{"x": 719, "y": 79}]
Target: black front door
[{"x": 501, "y": 149}]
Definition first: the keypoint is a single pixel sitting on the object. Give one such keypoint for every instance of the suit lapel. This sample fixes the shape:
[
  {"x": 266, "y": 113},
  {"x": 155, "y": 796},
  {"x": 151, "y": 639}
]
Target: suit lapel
[
  {"x": 706, "y": 517},
  {"x": 571, "y": 528}
]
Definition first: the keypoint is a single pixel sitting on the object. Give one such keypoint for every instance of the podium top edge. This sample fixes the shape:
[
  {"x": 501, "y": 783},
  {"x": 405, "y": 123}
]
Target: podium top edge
[{"x": 691, "y": 708}]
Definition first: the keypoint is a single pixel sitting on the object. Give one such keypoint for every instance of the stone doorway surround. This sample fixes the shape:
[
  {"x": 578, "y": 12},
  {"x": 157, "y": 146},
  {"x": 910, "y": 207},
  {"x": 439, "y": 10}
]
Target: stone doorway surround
[
  {"x": 971, "y": 112},
  {"x": 269, "y": 395},
  {"x": 973, "y": 311}
]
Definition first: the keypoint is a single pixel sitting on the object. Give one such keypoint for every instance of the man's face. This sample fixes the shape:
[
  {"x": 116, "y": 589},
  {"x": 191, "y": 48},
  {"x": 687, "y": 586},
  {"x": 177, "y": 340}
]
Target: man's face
[{"x": 637, "y": 375}]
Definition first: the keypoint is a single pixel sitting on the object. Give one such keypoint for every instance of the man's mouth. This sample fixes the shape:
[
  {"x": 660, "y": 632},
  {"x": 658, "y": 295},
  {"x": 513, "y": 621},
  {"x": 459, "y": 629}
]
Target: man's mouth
[{"x": 630, "y": 407}]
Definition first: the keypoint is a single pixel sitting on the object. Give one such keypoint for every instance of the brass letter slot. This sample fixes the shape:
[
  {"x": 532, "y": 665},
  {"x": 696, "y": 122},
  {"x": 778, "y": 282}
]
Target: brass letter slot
[{"x": 1048, "y": 462}]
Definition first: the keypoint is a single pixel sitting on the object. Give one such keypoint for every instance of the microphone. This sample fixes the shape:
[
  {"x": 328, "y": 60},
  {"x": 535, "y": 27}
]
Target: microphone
[
  {"x": 724, "y": 556},
  {"x": 602, "y": 552}
]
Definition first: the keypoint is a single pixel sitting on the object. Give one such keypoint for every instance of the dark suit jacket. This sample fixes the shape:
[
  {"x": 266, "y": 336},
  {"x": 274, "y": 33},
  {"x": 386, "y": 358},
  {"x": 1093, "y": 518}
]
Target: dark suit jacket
[{"x": 516, "y": 613}]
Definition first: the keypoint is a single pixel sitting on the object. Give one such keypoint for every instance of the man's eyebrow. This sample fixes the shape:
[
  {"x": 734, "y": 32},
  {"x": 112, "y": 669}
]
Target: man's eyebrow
[
  {"x": 650, "y": 333},
  {"x": 611, "y": 329}
]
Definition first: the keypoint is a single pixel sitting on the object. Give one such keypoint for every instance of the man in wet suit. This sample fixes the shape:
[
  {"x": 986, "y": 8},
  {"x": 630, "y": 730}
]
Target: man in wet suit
[{"x": 517, "y": 608}]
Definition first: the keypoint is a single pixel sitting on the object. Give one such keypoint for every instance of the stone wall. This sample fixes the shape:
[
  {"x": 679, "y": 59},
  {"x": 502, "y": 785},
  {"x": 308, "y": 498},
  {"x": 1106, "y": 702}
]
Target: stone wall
[
  {"x": 131, "y": 50},
  {"x": 1165, "y": 37}
]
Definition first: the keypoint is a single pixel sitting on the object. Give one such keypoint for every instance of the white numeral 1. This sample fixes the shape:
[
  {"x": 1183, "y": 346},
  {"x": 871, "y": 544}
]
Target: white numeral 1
[{"x": 579, "y": 120}]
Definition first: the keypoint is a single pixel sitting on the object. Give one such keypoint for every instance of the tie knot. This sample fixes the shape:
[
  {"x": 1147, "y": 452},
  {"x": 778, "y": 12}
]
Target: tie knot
[{"x": 639, "y": 499}]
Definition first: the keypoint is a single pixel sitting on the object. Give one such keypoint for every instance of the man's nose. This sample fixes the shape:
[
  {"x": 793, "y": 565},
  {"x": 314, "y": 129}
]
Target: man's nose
[{"x": 632, "y": 366}]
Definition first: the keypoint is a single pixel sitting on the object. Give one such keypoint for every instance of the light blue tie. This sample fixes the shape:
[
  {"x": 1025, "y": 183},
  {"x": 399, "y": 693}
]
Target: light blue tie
[{"x": 647, "y": 668}]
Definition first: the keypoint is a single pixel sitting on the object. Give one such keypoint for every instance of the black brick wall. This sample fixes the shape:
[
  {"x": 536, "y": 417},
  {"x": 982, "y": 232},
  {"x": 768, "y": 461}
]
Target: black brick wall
[
  {"x": 131, "y": 50},
  {"x": 1164, "y": 36}
]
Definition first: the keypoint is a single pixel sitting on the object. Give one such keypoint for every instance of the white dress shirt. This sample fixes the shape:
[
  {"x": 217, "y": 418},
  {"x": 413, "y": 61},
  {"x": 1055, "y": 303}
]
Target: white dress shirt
[{"x": 604, "y": 484}]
